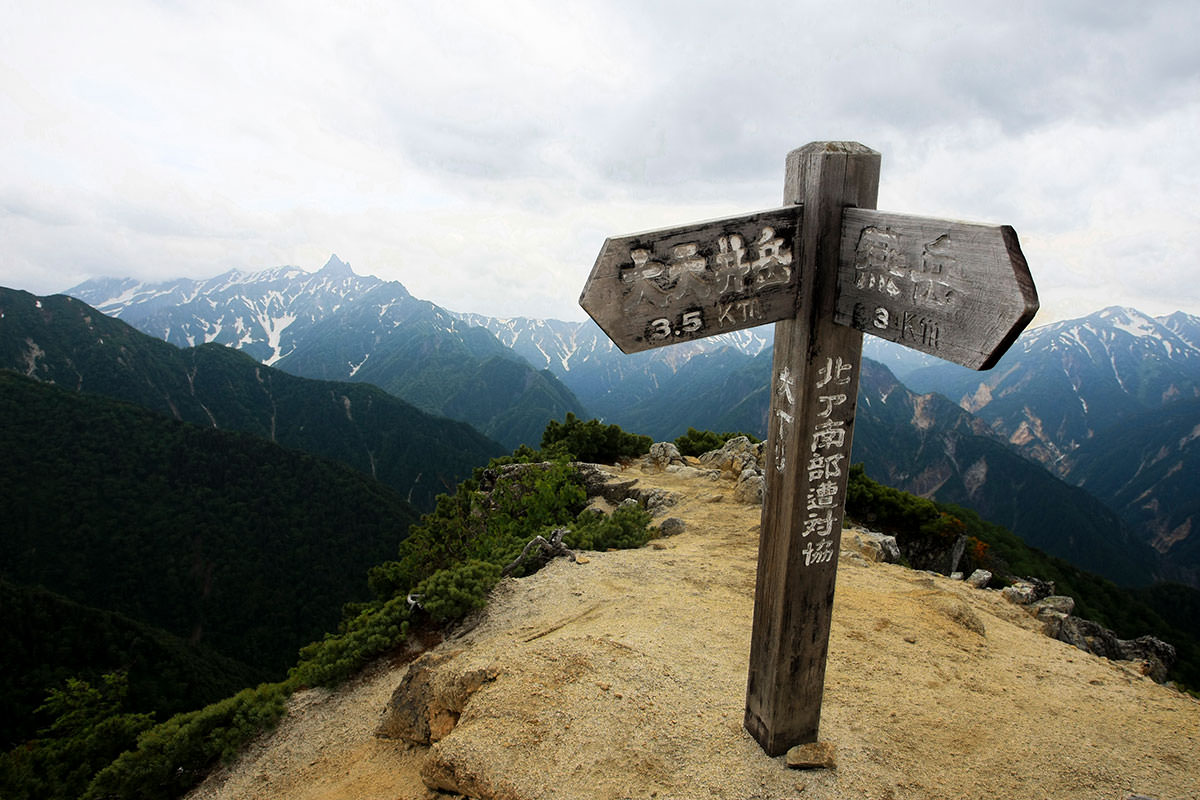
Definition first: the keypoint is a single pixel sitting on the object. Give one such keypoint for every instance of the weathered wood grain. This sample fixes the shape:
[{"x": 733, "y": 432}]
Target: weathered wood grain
[
  {"x": 814, "y": 388},
  {"x": 826, "y": 268},
  {"x": 676, "y": 284},
  {"x": 956, "y": 290}
]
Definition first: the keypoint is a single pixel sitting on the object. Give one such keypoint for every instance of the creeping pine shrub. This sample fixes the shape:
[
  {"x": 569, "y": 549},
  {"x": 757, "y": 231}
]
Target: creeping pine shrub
[
  {"x": 489, "y": 518},
  {"x": 371, "y": 632},
  {"x": 592, "y": 441},
  {"x": 890, "y": 509},
  {"x": 172, "y": 757},
  {"x": 697, "y": 443},
  {"x": 450, "y": 594},
  {"x": 626, "y": 527}
]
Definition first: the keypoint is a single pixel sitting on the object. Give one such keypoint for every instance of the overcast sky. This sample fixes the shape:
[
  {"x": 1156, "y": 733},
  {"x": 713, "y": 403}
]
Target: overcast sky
[{"x": 480, "y": 152}]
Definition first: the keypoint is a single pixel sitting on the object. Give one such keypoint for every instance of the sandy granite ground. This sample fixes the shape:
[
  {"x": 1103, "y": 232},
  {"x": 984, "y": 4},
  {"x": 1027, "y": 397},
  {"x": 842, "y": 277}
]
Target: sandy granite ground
[{"x": 625, "y": 677}]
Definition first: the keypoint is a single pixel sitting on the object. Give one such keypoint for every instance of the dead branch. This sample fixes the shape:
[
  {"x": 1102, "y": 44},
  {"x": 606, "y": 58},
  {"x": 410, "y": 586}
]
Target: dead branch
[{"x": 549, "y": 549}]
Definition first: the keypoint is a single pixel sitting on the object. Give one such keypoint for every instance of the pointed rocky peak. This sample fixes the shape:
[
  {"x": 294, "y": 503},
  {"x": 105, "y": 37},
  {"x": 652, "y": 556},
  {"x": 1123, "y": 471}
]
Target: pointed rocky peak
[
  {"x": 1185, "y": 326},
  {"x": 336, "y": 268}
]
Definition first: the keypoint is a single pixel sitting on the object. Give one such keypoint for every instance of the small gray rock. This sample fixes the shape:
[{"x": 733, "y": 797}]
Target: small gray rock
[
  {"x": 671, "y": 526},
  {"x": 1053, "y": 622},
  {"x": 657, "y": 500},
  {"x": 1021, "y": 593},
  {"x": 1056, "y": 602},
  {"x": 875, "y": 546},
  {"x": 750, "y": 487},
  {"x": 663, "y": 454},
  {"x": 979, "y": 578}
]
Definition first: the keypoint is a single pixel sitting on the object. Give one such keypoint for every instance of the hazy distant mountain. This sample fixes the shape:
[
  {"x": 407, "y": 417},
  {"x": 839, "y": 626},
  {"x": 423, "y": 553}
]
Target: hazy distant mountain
[
  {"x": 923, "y": 444},
  {"x": 1063, "y": 383},
  {"x": 335, "y": 325},
  {"x": 927, "y": 445},
  {"x": 63, "y": 341},
  {"x": 606, "y": 380},
  {"x": 609, "y": 383},
  {"x": 1108, "y": 402},
  {"x": 1146, "y": 468},
  {"x": 258, "y": 312}
]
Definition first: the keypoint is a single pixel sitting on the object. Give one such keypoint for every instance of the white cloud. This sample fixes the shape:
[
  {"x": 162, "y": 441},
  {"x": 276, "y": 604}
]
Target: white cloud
[{"x": 480, "y": 152}]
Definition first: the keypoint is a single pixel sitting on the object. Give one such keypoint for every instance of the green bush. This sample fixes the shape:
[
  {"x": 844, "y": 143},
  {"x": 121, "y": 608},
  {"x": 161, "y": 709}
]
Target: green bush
[
  {"x": 944, "y": 526},
  {"x": 626, "y": 527},
  {"x": 592, "y": 441},
  {"x": 374, "y": 630},
  {"x": 887, "y": 508},
  {"x": 450, "y": 594},
  {"x": 173, "y": 756},
  {"x": 89, "y": 730},
  {"x": 697, "y": 443},
  {"x": 489, "y": 518}
]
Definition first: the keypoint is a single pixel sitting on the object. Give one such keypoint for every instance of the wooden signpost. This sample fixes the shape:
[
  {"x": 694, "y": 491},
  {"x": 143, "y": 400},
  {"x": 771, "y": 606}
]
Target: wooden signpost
[{"x": 825, "y": 268}]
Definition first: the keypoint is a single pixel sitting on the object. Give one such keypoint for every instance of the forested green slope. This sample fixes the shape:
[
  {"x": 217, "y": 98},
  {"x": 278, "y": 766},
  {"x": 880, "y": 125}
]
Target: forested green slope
[{"x": 217, "y": 537}]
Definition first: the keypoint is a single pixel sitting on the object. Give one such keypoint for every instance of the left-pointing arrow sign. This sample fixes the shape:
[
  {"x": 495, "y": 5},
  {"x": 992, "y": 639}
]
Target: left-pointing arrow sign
[{"x": 675, "y": 284}]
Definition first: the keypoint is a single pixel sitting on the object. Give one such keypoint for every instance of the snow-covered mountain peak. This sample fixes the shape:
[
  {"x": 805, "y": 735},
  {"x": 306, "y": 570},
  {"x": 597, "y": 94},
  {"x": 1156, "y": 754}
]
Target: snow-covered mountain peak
[
  {"x": 1130, "y": 320},
  {"x": 1118, "y": 329},
  {"x": 1185, "y": 326},
  {"x": 259, "y": 311},
  {"x": 336, "y": 268}
]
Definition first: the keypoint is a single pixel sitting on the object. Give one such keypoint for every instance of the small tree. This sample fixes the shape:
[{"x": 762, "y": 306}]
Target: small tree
[
  {"x": 592, "y": 441},
  {"x": 88, "y": 730},
  {"x": 697, "y": 443}
]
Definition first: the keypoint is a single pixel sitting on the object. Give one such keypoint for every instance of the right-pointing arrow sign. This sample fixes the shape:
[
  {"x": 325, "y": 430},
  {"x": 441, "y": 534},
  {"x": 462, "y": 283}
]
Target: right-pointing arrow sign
[{"x": 955, "y": 290}]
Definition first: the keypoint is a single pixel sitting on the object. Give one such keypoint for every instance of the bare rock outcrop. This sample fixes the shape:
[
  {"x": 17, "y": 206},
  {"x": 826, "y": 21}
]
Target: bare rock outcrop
[
  {"x": 735, "y": 456},
  {"x": 430, "y": 700},
  {"x": 601, "y": 483},
  {"x": 1055, "y": 614}
]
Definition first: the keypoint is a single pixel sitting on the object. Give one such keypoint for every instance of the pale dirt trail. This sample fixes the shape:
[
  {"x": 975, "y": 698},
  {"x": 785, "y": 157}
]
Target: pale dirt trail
[{"x": 625, "y": 677}]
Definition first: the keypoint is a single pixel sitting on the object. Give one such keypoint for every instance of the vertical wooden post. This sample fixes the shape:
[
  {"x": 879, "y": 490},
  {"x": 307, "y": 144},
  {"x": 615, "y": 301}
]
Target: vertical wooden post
[{"x": 814, "y": 384}]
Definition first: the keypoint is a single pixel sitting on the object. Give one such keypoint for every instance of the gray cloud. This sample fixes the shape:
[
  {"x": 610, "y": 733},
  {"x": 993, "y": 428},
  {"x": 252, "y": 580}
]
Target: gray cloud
[{"x": 495, "y": 145}]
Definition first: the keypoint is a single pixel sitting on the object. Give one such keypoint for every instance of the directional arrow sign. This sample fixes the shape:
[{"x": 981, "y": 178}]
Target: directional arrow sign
[
  {"x": 676, "y": 284},
  {"x": 955, "y": 290},
  {"x": 826, "y": 269}
]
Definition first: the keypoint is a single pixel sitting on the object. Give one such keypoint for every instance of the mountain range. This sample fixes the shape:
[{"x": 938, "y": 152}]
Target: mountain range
[
  {"x": 919, "y": 442},
  {"x": 193, "y": 560},
  {"x": 509, "y": 376},
  {"x": 1109, "y": 402},
  {"x": 185, "y": 513},
  {"x": 64, "y": 341},
  {"x": 336, "y": 325},
  {"x": 1112, "y": 365}
]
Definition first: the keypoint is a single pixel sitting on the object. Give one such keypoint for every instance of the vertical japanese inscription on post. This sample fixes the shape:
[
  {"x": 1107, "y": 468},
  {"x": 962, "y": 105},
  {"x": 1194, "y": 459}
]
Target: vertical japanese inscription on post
[
  {"x": 828, "y": 447},
  {"x": 956, "y": 290}
]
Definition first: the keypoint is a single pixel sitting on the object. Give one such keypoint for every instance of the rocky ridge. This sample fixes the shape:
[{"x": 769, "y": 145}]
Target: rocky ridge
[{"x": 623, "y": 675}]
